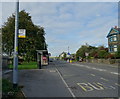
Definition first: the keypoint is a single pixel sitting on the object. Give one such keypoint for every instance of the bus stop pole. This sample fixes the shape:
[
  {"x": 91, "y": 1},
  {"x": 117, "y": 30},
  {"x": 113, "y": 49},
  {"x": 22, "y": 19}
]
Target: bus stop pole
[{"x": 15, "y": 69}]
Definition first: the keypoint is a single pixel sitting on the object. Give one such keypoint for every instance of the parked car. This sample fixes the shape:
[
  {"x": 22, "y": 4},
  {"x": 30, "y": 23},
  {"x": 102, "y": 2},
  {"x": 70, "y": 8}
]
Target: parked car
[{"x": 51, "y": 60}]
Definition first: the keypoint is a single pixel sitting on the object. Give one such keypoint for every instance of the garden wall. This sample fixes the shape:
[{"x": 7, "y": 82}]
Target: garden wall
[{"x": 106, "y": 61}]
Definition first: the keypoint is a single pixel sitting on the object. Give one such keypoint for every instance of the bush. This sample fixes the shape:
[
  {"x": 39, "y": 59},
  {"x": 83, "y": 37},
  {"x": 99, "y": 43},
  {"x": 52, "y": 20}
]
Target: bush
[{"x": 102, "y": 54}]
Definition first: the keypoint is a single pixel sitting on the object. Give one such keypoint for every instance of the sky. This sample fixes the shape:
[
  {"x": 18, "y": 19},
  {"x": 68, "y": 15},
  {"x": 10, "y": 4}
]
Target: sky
[{"x": 69, "y": 23}]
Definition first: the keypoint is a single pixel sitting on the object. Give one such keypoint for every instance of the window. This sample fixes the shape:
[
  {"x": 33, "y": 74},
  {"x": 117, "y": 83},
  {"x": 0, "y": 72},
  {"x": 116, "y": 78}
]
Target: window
[
  {"x": 115, "y": 48},
  {"x": 113, "y": 38},
  {"x": 112, "y": 48}
]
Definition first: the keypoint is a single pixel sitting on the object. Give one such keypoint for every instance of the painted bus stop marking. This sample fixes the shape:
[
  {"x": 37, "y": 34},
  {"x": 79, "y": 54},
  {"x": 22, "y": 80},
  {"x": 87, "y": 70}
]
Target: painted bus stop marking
[{"x": 90, "y": 86}]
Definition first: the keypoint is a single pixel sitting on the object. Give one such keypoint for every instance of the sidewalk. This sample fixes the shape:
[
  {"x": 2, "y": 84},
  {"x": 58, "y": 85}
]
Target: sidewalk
[{"x": 44, "y": 82}]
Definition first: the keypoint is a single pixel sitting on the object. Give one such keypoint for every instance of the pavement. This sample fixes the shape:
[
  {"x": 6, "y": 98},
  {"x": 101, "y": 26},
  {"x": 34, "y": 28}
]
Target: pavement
[{"x": 45, "y": 82}]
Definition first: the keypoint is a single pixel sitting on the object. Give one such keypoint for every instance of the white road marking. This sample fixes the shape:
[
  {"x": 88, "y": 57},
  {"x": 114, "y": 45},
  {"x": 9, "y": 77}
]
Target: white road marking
[
  {"x": 115, "y": 73},
  {"x": 94, "y": 68},
  {"x": 117, "y": 84},
  {"x": 112, "y": 87},
  {"x": 52, "y": 70},
  {"x": 66, "y": 84},
  {"x": 92, "y": 74},
  {"x": 99, "y": 69},
  {"x": 104, "y": 79}
]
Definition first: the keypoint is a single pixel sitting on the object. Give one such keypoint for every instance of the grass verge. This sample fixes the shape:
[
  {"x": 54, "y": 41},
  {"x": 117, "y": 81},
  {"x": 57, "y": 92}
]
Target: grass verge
[
  {"x": 26, "y": 65},
  {"x": 9, "y": 92}
]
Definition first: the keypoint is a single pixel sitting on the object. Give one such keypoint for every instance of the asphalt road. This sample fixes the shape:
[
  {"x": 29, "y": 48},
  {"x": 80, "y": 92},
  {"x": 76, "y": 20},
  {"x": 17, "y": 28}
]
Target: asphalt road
[
  {"x": 62, "y": 79},
  {"x": 90, "y": 80}
]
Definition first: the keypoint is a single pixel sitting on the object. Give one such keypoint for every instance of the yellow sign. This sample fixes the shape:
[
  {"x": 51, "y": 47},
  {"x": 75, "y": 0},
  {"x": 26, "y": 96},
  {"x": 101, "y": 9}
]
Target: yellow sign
[
  {"x": 21, "y": 36},
  {"x": 16, "y": 48}
]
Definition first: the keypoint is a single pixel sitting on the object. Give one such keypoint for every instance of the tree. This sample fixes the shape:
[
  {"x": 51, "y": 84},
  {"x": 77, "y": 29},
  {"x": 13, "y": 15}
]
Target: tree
[
  {"x": 35, "y": 36},
  {"x": 102, "y": 54},
  {"x": 95, "y": 52}
]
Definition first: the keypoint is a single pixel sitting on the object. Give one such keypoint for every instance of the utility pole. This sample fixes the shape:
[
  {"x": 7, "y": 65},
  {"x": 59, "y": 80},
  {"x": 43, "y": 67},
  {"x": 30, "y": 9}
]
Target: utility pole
[
  {"x": 15, "y": 69},
  {"x": 68, "y": 49}
]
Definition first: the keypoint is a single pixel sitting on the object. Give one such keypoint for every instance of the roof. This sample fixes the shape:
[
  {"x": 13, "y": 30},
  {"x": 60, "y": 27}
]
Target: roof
[
  {"x": 116, "y": 31},
  {"x": 42, "y": 51}
]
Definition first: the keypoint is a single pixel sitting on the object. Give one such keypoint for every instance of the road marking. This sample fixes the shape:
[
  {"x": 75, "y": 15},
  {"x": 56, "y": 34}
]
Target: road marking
[
  {"x": 104, "y": 79},
  {"x": 92, "y": 74},
  {"x": 90, "y": 86},
  {"x": 112, "y": 87},
  {"x": 117, "y": 84},
  {"x": 85, "y": 87},
  {"x": 99, "y": 69},
  {"x": 87, "y": 67},
  {"x": 66, "y": 84},
  {"x": 115, "y": 73},
  {"x": 96, "y": 86},
  {"x": 68, "y": 75},
  {"x": 94, "y": 68},
  {"x": 52, "y": 70}
]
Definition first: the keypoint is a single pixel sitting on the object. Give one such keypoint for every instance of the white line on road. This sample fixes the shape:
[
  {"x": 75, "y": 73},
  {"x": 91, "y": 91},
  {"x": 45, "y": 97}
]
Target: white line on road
[
  {"x": 112, "y": 87},
  {"x": 92, "y": 74},
  {"x": 117, "y": 84},
  {"x": 99, "y": 69},
  {"x": 115, "y": 73},
  {"x": 66, "y": 84},
  {"x": 104, "y": 79}
]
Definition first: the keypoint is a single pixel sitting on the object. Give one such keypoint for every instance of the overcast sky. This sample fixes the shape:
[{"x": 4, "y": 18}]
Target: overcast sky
[{"x": 69, "y": 23}]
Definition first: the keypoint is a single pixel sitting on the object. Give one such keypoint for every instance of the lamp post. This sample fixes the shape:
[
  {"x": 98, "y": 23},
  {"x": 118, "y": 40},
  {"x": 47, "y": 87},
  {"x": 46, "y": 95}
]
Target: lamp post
[{"x": 15, "y": 69}]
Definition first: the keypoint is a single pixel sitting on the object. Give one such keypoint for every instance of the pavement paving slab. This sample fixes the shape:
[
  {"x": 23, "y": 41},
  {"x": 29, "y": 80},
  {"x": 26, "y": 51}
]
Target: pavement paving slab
[{"x": 44, "y": 82}]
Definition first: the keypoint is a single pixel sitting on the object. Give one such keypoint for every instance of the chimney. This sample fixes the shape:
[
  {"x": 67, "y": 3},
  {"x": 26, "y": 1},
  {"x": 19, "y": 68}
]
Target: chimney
[{"x": 116, "y": 27}]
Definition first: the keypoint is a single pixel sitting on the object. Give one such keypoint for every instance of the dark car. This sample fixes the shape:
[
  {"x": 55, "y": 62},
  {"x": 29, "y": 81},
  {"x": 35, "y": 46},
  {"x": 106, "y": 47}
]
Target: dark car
[{"x": 50, "y": 60}]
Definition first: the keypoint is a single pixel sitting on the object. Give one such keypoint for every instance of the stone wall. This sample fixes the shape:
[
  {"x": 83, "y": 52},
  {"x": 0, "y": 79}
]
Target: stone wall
[
  {"x": 5, "y": 62},
  {"x": 105, "y": 61}
]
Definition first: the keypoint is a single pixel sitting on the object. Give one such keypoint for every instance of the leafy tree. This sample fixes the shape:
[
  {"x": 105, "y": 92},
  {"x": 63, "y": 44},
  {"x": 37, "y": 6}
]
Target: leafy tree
[
  {"x": 35, "y": 36},
  {"x": 95, "y": 52}
]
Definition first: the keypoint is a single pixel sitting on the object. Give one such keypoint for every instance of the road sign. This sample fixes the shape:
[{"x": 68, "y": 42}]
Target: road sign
[
  {"x": 44, "y": 58},
  {"x": 22, "y": 33},
  {"x": 68, "y": 54}
]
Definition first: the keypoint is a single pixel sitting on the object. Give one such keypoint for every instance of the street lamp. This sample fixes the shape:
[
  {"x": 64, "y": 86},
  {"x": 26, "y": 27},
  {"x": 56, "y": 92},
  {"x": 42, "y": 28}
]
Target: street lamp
[{"x": 15, "y": 69}]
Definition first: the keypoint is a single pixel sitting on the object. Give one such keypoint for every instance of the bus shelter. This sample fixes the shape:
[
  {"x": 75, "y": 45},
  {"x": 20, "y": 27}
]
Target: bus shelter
[{"x": 42, "y": 58}]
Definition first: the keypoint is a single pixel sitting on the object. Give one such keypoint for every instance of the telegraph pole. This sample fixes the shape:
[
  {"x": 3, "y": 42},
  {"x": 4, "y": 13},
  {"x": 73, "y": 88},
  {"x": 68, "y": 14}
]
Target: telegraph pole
[
  {"x": 15, "y": 69},
  {"x": 68, "y": 49}
]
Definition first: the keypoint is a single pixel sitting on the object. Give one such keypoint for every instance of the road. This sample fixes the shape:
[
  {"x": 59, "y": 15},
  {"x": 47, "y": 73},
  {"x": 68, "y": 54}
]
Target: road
[
  {"x": 62, "y": 79},
  {"x": 89, "y": 80}
]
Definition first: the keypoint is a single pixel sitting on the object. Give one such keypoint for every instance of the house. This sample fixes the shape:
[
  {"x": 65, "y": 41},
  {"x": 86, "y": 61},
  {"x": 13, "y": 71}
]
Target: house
[
  {"x": 113, "y": 39},
  {"x": 62, "y": 55}
]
